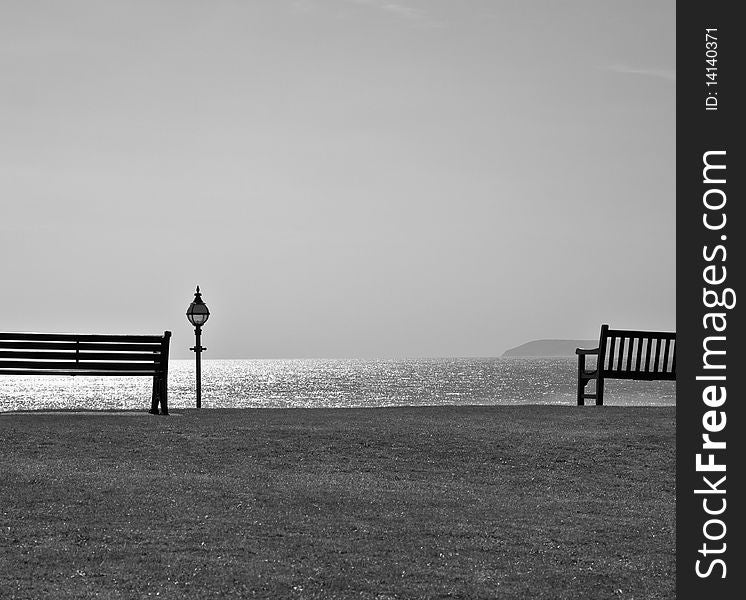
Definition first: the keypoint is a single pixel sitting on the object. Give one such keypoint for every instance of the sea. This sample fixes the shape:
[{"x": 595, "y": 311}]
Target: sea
[{"x": 333, "y": 383}]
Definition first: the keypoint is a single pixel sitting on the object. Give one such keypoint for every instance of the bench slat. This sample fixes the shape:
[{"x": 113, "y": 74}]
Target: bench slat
[
  {"x": 112, "y": 346},
  {"x": 656, "y": 360},
  {"x": 81, "y": 356},
  {"x": 638, "y": 357},
  {"x": 76, "y": 373},
  {"x": 673, "y": 360},
  {"x": 630, "y": 353},
  {"x": 665, "y": 355},
  {"x": 72, "y": 365},
  {"x": 621, "y": 352},
  {"x": 612, "y": 347},
  {"x": 87, "y": 337},
  {"x": 639, "y": 333}
]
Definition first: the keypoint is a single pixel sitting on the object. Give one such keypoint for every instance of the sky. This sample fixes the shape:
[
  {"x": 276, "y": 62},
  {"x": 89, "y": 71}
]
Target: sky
[{"x": 342, "y": 178}]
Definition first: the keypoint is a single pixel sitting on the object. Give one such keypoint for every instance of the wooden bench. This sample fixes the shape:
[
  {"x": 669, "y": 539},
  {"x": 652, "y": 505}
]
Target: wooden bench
[
  {"x": 623, "y": 354},
  {"x": 74, "y": 354}
]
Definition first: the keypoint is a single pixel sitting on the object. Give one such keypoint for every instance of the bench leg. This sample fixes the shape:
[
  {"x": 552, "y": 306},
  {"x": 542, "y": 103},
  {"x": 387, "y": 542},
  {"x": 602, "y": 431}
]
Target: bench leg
[
  {"x": 164, "y": 395},
  {"x": 156, "y": 394},
  {"x": 581, "y": 383},
  {"x": 600, "y": 390},
  {"x": 160, "y": 395}
]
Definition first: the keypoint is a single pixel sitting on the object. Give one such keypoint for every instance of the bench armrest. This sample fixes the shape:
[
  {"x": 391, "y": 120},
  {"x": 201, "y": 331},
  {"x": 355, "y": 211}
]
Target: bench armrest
[{"x": 584, "y": 351}]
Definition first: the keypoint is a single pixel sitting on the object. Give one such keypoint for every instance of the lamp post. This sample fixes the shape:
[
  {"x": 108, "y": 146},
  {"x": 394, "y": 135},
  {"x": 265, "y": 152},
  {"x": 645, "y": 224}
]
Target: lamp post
[{"x": 198, "y": 313}]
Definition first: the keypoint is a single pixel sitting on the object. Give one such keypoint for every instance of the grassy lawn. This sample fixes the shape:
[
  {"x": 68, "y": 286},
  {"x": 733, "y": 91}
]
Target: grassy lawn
[{"x": 449, "y": 502}]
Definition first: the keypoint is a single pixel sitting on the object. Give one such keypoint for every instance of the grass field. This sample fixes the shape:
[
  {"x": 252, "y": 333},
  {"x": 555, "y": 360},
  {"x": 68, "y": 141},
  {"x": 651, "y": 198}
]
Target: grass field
[{"x": 450, "y": 502}]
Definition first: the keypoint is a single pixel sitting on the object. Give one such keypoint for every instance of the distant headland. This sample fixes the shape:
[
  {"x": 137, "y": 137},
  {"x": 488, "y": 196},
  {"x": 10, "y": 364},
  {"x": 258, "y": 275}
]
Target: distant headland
[{"x": 550, "y": 348}]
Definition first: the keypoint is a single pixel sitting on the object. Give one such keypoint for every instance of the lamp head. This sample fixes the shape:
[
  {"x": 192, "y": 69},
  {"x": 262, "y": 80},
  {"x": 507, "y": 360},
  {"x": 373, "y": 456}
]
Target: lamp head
[{"x": 197, "y": 313}]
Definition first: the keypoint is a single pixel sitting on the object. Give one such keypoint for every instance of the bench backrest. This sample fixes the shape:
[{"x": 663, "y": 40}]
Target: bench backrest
[
  {"x": 626, "y": 354},
  {"x": 75, "y": 354}
]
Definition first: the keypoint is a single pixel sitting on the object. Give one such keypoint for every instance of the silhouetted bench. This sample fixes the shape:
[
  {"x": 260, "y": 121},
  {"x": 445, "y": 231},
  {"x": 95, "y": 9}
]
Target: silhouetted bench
[
  {"x": 623, "y": 354},
  {"x": 74, "y": 354}
]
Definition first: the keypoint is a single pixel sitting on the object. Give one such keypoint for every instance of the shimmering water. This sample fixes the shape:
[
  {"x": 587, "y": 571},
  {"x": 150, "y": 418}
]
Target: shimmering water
[{"x": 333, "y": 383}]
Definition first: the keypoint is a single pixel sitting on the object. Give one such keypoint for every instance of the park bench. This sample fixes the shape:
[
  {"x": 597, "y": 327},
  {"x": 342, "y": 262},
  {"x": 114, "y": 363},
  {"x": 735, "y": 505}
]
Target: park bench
[
  {"x": 75, "y": 354},
  {"x": 626, "y": 354}
]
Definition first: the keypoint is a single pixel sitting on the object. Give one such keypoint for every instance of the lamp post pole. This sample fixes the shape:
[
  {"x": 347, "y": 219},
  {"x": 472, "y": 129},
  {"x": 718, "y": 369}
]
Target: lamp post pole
[
  {"x": 198, "y": 313},
  {"x": 198, "y": 351}
]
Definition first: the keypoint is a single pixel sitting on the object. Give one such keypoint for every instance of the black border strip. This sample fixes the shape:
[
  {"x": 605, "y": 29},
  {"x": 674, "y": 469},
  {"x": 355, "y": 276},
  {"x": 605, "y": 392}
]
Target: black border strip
[{"x": 700, "y": 130}]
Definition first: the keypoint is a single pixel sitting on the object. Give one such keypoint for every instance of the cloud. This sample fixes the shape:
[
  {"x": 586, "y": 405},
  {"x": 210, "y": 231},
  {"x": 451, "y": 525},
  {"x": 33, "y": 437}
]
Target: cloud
[{"x": 667, "y": 74}]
